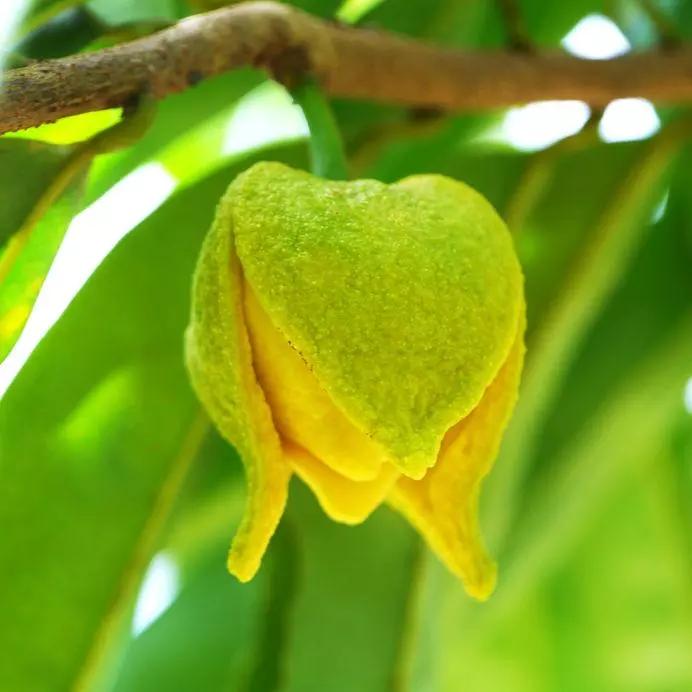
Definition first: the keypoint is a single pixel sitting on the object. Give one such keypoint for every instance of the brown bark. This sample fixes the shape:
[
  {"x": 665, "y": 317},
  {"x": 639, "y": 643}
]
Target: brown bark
[{"x": 351, "y": 63}]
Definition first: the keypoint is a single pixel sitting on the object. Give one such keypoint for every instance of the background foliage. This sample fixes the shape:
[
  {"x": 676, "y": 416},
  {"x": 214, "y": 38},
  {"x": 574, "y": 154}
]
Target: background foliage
[{"x": 109, "y": 471}]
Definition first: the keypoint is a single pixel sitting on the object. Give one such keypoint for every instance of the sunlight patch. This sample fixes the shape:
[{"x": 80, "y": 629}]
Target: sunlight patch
[
  {"x": 626, "y": 120},
  {"x": 75, "y": 128},
  {"x": 159, "y": 589},
  {"x": 660, "y": 210},
  {"x": 264, "y": 116},
  {"x": 91, "y": 236},
  {"x": 11, "y": 12},
  {"x": 687, "y": 396},
  {"x": 596, "y": 37},
  {"x": 540, "y": 124}
]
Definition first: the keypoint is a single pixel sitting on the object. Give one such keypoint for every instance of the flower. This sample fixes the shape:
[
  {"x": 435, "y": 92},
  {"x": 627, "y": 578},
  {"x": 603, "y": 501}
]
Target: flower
[{"x": 368, "y": 338}]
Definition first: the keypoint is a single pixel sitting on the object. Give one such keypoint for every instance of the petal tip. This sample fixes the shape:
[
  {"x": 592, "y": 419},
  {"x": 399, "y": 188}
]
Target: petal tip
[
  {"x": 241, "y": 568},
  {"x": 482, "y": 587}
]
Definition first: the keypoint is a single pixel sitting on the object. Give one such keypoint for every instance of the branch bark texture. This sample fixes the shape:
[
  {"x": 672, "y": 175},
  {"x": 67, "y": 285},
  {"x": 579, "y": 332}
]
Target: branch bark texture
[{"x": 351, "y": 63}]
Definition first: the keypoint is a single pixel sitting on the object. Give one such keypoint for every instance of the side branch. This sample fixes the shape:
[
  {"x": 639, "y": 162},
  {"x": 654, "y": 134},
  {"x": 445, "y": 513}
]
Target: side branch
[{"x": 350, "y": 63}]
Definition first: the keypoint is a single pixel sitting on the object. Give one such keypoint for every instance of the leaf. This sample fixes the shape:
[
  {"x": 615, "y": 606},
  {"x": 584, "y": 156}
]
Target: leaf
[
  {"x": 350, "y": 615},
  {"x": 44, "y": 10},
  {"x": 31, "y": 233},
  {"x": 650, "y": 301},
  {"x": 68, "y": 32},
  {"x": 88, "y": 478},
  {"x": 176, "y": 115},
  {"x": 117, "y": 12},
  {"x": 437, "y": 147},
  {"x": 225, "y": 616},
  {"x": 548, "y": 22},
  {"x": 39, "y": 164},
  {"x": 632, "y": 567},
  {"x": 43, "y": 219},
  {"x": 586, "y": 476},
  {"x": 612, "y": 229}
]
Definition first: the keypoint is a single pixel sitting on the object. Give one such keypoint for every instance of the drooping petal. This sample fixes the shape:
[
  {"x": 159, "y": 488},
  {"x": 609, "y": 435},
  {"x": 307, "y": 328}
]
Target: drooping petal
[
  {"x": 342, "y": 499},
  {"x": 302, "y": 410},
  {"x": 443, "y": 506},
  {"x": 402, "y": 299},
  {"x": 219, "y": 359}
]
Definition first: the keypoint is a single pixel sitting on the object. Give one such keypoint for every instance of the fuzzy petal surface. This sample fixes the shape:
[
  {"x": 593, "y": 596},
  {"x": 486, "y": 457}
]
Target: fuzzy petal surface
[
  {"x": 443, "y": 506},
  {"x": 402, "y": 299},
  {"x": 303, "y": 411},
  {"x": 219, "y": 360}
]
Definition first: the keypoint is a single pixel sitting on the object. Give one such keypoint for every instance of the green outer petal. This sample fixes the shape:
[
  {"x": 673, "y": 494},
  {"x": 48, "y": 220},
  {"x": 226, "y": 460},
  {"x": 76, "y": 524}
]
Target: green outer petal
[
  {"x": 403, "y": 299},
  {"x": 220, "y": 363}
]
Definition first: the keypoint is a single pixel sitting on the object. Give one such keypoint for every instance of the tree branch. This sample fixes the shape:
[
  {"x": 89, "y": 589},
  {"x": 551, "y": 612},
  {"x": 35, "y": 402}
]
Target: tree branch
[{"x": 351, "y": 63}]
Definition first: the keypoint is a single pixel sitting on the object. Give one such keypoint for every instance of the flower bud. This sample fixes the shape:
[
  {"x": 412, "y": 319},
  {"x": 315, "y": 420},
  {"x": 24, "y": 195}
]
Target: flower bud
[{"x": 368, "y": 338}]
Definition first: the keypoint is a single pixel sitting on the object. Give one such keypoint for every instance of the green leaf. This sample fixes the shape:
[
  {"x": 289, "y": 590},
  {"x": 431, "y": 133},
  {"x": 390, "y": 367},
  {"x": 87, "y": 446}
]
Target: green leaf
[
  {"x": 42, "y": 217},
  {"x": 610, "y": 231},
  {"x": 434, "y": 148},
  {"x": 586, "y": 476},
  {"x": 64, "y": 34},
  {"x": 116, "y": 12},
  {"x": 176, "y": 115},
  {"x": 225, "y": 617},
  {"x": 87, "y": 478},
  {"x": 548, "y": 22},
  {"x": 44, "y": 10},
  {"x": 350, "y": 615},
  {"x": 33, "y": 224},
  {"x": 651, "y": 300},
  {"x": 633, "y": 565},
  {"x": 39, "y": 164}
]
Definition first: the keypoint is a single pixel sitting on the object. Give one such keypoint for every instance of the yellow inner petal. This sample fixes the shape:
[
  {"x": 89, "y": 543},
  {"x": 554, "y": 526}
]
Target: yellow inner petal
[
  {"x": 443, "y": 506},
  {"x": 267, "y": 473},
  {"x": 303, "y": 411},
  {"x": 343, "y": 500},
  {"x": 220, "y": 363}
]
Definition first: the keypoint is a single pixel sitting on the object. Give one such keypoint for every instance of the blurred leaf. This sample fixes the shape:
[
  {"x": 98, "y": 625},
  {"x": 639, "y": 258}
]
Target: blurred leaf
[
  {"x": 265, "y": 116},
  {"x": 64, "y": 34},
  {"x": 37, "y": 211},
  {"x": 352, "y": 610},
  {"x": 39, "y": 164},
  {"x": 598, "y": 458},
  {"x": 651, "y": 300},
  {"x": 88, "y": 478},
  {"x": 634, "y": 22},
  {"x": 321, "y": 8},
  {"x": 210, "y": 504},
  {"x": 617, "y": 615},
  {"x": 44, "y": 10},
  {"x": 549, "y": 22},
  {"x": 117, "y": 12},
  {"x": 176, "y": 116},
  {"x": 550, "y": 238},
  {"x": 435, "y": 147},
  {"x": 612, "y": 231},
  {"x": 44, "y": 215},
  {"x": 225, "y": 617},
  {"x": 70, "y": 130},
  {"x": 626, "y": 428},
  {"x": 679, "y": 13},
  {"x": 410, "y": 18},
  {"x": 634, "y": 566},
  {"x": 102, "y": 443}
]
